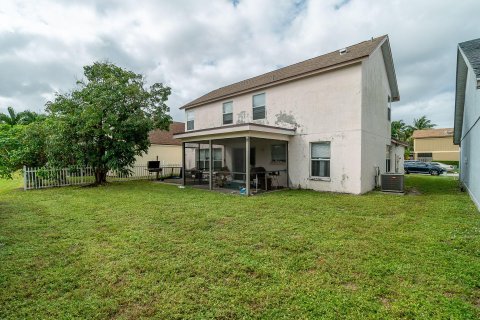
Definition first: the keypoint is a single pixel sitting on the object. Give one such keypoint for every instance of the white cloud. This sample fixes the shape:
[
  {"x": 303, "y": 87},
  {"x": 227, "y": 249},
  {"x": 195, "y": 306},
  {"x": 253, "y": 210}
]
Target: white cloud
[{"x": 195, "y": 46}]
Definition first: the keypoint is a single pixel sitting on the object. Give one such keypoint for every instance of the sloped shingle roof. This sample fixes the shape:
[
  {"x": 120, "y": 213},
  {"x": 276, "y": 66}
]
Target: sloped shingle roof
[
  {"x": 433, "y": 133},
  {"x": 166, "y": 137},
  {"x": 471, "y": 49},
  {"x": 354, "y": 52}
]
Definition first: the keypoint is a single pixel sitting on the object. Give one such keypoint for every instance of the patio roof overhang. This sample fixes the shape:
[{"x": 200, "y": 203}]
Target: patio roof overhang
[{"x": 253, "y": 130}]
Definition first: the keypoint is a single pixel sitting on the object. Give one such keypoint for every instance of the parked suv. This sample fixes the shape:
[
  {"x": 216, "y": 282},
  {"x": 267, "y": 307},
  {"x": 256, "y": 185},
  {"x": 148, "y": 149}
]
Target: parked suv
[{"x": 422, "y": 167}]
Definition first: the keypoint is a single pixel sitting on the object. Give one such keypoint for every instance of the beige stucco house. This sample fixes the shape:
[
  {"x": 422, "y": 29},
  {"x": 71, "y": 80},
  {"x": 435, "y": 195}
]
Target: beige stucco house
[
  {"x": 435, "y": 145},
  {"x": 164, "y": 147},
  {"x": 321, "y": 124}
]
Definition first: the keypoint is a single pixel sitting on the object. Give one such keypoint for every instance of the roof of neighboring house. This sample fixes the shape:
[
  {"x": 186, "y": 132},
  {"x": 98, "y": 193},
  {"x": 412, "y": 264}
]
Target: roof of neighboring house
[
  {"x": 468, "y": 52},
  {"x": 400, "y": 143},
  {"x": 305, "y": 68},
  {"x": 433, "y": 133},
  {"x": 166, "y": 137},
  {"x": 471, "y": 50}
]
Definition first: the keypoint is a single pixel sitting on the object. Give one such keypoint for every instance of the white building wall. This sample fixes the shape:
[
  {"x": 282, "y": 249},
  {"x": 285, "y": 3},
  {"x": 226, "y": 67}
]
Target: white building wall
[
  {"x": 326, "y": 107},
  {"x": 376, "y": 132},
  {"x": 470, "y": 145}
]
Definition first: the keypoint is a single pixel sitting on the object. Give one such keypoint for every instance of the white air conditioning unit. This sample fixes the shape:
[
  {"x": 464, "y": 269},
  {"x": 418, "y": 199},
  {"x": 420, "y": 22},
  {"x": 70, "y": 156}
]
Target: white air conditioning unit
[{"x": 392, "y": 182}]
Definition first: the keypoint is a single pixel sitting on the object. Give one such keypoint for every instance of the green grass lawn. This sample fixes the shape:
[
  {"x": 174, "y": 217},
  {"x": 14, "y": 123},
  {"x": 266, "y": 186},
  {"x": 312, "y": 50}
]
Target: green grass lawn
[{"x": 143, "y": 249}]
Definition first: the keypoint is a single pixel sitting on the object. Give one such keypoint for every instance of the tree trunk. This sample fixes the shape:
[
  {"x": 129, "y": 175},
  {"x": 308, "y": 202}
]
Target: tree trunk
[{"x": 100, "y": 176}]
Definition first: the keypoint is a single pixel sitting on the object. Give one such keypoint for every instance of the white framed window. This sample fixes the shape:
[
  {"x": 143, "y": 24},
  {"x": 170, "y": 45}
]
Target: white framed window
[
  {"x": 190, "y": 119},
  {"x": 203, "y": 159},
  {"x": 320, "y": 159},
  {"x": 228, "y": 112},
  {"x": 279, "y": 153},
  {"x": 258, "y": 103}
]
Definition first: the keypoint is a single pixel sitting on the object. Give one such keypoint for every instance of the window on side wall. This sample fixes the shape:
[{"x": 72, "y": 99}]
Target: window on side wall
[
  {"x": 320, "y": 159},
  {"x": 228, "y": 112},
  {"x": 279, "y": 153},
  {"x": 389, "y": 106},
  {"x": 387, "y": 160},
  {"x": 259, "y": 106},
  {"x": 190, "y": 120}
]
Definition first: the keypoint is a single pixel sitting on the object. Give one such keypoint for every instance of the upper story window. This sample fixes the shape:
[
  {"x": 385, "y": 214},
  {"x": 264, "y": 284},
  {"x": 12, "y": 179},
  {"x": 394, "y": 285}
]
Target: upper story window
[
  {"x": 190, "y": 119},
  {"x": 259, "y": 106},
  {"x": 320, "y": 159},
  {"x": 389, "y": 115},
  {"x": 228, "y": 112}
]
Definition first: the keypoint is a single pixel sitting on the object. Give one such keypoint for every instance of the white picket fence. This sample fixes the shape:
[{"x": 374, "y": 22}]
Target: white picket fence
[{"x": 48, "y": 177}]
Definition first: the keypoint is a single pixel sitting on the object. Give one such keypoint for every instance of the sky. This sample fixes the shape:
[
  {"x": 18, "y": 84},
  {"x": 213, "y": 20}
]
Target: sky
[{"x": 196, "y": 46}]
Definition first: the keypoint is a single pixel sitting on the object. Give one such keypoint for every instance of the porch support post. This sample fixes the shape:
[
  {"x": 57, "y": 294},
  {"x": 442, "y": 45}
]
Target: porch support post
[
  {"x": 247, "y": 165},
  {"x": 184, "y": 174},
  {"x": 210, "y": 165},
  {"x": 288, "y": 176}
]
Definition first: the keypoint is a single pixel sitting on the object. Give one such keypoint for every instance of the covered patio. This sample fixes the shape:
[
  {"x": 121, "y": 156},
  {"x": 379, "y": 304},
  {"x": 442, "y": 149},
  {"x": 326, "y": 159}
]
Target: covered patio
[{"x": 248, "y": 158}]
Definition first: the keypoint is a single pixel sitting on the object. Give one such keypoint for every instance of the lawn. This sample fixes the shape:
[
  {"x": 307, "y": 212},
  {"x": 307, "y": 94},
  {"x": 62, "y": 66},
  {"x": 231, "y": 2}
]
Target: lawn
[{"x": 142, "y": 249}]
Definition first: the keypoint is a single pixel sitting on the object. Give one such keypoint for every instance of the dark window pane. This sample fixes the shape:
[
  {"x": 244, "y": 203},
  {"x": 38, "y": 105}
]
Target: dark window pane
[
  {"x": 320, "y": 168},
  {"x": 190, "y": 125},
  {"x": 228, "y": 118},
  {"x": 425, "y": 155},
  {"x": 258, "y": 113},
  {"x": 279, "y": 152},
  {"x": 217, "y": 154},
  {"x": 217, "y": 165}
]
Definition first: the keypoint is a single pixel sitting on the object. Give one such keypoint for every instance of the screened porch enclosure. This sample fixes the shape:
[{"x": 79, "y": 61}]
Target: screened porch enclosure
[{"x": 245, "y": 164}]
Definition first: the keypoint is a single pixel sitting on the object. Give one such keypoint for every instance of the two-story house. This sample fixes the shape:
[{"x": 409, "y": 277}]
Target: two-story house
[{"x": 321, "y": 124}]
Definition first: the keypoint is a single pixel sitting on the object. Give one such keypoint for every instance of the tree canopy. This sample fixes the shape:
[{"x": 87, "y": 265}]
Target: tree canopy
[
  {"x": 104, "y": 122},
  {"x": 422, "y": 123},
  {"x": 25, "y": 117},
  {"x": 21, "y": 145}
]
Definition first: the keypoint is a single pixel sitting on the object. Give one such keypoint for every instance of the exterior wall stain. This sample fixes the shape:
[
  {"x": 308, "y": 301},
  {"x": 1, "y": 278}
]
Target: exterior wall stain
[
  {"x": 241, "y": 117},
  {"x": 283, "y": 118}
]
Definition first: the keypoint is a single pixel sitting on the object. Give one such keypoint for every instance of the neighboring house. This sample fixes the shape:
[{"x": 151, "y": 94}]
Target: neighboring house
[
  {"x": 467, "y": 116},
  {"x": 435, "y": 145},
  {"x": 321, "y": 124},
  {"x": 164, "y": 147}
]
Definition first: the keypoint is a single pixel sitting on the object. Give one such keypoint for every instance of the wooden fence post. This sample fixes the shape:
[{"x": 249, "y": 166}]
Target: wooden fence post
[{"x": 24, "y": 178}]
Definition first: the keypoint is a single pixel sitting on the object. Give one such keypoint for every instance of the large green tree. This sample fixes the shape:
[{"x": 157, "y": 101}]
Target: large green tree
[{"x": 104, "y": 122}]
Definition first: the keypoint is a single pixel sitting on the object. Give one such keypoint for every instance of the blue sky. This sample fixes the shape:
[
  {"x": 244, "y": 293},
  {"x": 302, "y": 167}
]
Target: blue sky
[{"x": 197, "y": 46}]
